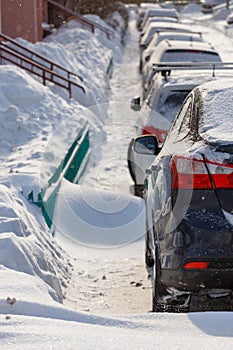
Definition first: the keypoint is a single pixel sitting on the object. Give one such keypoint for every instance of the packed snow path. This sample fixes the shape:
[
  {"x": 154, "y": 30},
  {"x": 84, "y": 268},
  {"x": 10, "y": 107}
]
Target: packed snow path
[{"x": 112, "y": 280}]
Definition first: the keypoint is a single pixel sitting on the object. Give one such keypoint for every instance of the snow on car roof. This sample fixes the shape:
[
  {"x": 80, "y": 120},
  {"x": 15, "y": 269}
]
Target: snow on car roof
[
  {"x": 183, "y": 80},
  {"x": 152, "y": 20},
  {"x": 176, "y": 35},
  {"x": 199, "y": 45},
  {"x": 217, "y": 120},
  {"x": 179, "y": 45},
  {"x": 184, "y": 77},
  {"x": 162, "y": 12},
  {"x": 146, "y": 5},
  {"x": 160, "y": 26}
]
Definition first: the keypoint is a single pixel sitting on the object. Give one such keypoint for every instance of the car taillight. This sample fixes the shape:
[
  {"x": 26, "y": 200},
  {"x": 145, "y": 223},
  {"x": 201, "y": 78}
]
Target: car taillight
[
  {"x": 221, "y": 174},
  {"x": 196, "y": 265},
  {"x": 159, "y": 133},
  {"x": 189, "y": 173},
  {"x": 146, "y": 130}
]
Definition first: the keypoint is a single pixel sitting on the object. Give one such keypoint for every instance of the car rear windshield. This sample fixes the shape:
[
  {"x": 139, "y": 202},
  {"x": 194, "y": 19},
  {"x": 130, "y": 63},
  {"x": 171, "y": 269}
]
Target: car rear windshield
[
  {"x": 169, "y": 102},
  {"x": 190, "y": 55}
]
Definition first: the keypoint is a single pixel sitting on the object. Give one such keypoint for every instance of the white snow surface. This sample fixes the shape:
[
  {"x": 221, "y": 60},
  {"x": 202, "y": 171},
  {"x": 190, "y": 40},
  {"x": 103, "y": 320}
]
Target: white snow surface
[
  {"x": 35, "y": 267},
  {"x": 217, "y": 113}
]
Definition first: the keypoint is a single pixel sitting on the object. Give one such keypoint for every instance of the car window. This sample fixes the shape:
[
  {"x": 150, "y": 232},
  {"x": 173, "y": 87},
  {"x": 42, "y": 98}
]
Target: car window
[
  {"x": 196, "y": 114},
  {"x": 190, "y": 55},
  {"x": 180, "y": 127},
  {"x": 168, "y": 102}
]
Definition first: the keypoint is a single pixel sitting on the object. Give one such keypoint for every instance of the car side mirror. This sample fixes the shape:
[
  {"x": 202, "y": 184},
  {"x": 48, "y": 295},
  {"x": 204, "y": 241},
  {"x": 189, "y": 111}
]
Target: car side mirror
[
  {"x": 147, "y": 145},
  {"x": 136, "y": 104}
]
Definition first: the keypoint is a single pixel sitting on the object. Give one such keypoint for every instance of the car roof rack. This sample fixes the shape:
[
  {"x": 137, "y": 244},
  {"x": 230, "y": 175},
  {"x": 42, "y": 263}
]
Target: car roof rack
[
  {"x": 178, "y": 32},
  {"x": 166, "y": 67}
]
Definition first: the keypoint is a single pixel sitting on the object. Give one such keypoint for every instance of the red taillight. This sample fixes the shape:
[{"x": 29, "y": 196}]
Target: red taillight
[
  {"x": 189, "y": 173},
  {"x": 221, "y": 174},
  {"x": 159, "y": 133},
  {"x": 196, "y": 265}
]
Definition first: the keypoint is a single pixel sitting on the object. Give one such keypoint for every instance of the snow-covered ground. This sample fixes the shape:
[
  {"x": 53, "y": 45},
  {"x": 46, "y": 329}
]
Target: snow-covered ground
[{"x": 85, "y": 289}]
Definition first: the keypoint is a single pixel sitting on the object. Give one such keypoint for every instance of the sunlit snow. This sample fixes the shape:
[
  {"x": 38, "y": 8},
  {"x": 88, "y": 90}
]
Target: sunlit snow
[{"x": 35, "y": 266}]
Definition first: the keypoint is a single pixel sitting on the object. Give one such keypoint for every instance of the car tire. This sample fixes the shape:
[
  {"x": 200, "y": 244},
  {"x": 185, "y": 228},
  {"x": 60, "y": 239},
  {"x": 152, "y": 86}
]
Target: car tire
[
  {"x": 161, "y": 300},
  {"x": 158, "y": 290},
  {"x": 149, "y": 259}
]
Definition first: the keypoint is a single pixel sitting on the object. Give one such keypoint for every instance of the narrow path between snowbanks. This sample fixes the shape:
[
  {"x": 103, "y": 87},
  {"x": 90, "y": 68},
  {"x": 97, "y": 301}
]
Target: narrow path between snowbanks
[{"x": 113, "y": 279}]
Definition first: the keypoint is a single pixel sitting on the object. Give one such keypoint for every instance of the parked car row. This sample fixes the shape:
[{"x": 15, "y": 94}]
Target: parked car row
[
  {"x": 182, "y": 163},
  {"x": 164, "y": 89}
]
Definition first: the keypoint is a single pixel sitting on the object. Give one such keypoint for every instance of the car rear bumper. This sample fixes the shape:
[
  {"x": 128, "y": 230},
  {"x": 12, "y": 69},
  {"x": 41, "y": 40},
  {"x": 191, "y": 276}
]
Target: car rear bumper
[
  {"x": 198, "y": 280},
  {"x": 197, "y": 238}
]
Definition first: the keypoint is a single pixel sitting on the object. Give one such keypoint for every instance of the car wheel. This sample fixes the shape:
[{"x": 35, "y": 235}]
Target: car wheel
[
  {"x": 162, "y": 301},
  {"x": 138, "y": 190},
  {"x": 149, "y": 259},
  {"x": 158, "y": 290}
]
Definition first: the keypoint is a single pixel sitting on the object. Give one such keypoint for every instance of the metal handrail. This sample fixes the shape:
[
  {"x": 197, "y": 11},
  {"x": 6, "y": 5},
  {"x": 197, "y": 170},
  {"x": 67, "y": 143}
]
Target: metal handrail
[
  {"x": 81, "y": 19},
  {"x": 4, "y": 39},
  {"x": 42, "y": 72}
]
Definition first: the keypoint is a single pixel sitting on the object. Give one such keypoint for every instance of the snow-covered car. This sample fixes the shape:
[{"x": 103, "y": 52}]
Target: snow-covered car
[
  {"x": 166, "y": 35},
  {"x": 152, "y": 20},
  {"x": 229, "y": 18},
  {"x": 160, "y": 26},
  {"x": 209, "y": 5},
  {"x": 189, "y": 240},
  {"x": 222, "y": 10},
  {"x": 163, "y": 100},
  {"x": 161, "y": 12},
  {"x": 142, "y": 11},
  {"x": 178, "y": 51},
  {"x": 165, "y": 96}
]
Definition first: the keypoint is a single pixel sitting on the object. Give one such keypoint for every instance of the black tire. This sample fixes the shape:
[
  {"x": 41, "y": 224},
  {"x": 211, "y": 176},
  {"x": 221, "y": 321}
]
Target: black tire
[
  {"x": 158, "y": 290},
  {"x": 161, "y": 300},
  {"x": 149, "y": 259},
  {"x": 138, "y": 190}
]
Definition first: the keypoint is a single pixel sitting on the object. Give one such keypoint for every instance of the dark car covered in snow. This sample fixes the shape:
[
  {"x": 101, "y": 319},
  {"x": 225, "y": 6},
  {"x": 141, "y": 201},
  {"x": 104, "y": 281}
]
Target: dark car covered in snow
[{"x": 189, "y": 203}]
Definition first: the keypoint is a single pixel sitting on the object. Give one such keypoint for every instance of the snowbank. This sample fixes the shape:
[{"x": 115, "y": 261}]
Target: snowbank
[
  {"x": 190, "y": 9},
  {"x": 90, "y": 57},
  {"x": 38, "y": 126},
  {"x": 104, "y": 219},
  {"x": 26, "y": 246}
]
